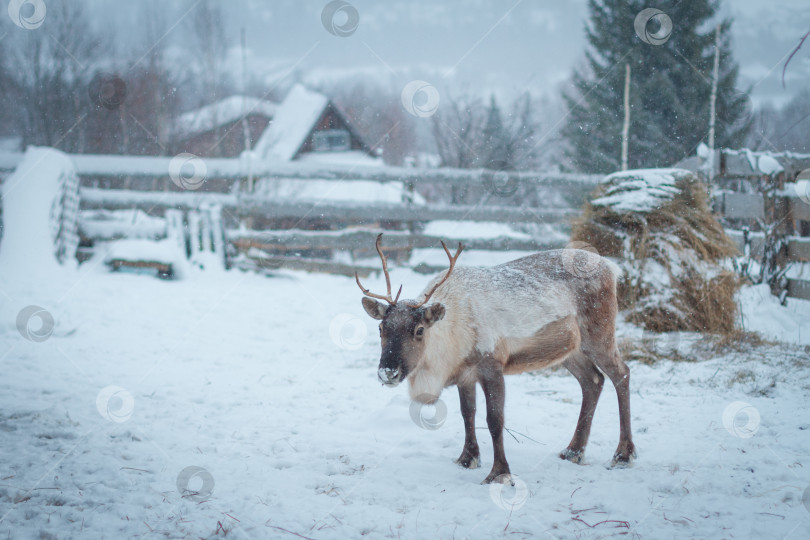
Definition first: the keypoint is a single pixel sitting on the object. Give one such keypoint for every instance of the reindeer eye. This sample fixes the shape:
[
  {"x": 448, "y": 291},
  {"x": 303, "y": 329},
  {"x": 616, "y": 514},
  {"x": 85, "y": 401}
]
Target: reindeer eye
[{"x": 420, "y": 331}]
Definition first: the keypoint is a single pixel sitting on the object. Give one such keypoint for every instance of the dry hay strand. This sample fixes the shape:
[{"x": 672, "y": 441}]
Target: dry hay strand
[
  {"x": 648, "y": 352},
  {"x": 738, "y": 340},
  {"x": 672, "y": 251}
]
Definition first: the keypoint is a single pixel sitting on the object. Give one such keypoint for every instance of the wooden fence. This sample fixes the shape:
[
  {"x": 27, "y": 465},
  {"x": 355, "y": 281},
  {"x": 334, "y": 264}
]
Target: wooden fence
[
  {"x": 798, "y": 252},
  {"x": 490, "y": 197},
  {"x": 793, "y": 213},
  {"x": 501, "y": 206}
]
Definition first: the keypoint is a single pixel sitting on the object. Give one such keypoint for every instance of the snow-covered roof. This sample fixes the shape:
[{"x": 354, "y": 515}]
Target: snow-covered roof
[
  {"x": 294, "y": 119},
  {"x": 221, "y": 113}
]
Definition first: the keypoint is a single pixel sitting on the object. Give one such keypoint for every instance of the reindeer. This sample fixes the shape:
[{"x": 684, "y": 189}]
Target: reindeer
[{"x": 475, "y": 325}]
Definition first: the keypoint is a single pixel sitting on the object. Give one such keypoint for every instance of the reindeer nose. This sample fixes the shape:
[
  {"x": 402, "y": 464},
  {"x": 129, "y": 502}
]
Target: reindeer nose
[{"x": 387, "y": 375}]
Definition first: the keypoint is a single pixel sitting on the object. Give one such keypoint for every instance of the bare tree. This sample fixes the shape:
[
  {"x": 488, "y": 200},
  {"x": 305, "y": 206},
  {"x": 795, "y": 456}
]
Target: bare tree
[
  {"x": 151, "y": 104},
  {"x": 785, "y": 129},
  {"x": 522, "y": 128},
  {"x": 208, "y": 37},
  {"x": 458, "y": 129},
  {"x": 51, "y": 66},
  {"x": 210, "y": 44},
  {"x": 376, "y": 113},
  {"x": 468, "y": 135}
]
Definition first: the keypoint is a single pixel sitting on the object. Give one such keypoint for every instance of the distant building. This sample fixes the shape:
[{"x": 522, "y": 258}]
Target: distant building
[
  {"x": 305, "y": 126},
  {"x": 221, "y": 129},
  {"x": 308, "y": 126}
]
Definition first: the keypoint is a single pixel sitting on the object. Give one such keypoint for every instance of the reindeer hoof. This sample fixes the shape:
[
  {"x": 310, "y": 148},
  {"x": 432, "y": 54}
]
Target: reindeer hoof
[
  {"x": 468, "y": 462},
  {"x": 499, "y": 476},
  {"x": 623, "y": 458},
  {"x": 574, "y": 456},
  {"x": 503, "y": 478}
]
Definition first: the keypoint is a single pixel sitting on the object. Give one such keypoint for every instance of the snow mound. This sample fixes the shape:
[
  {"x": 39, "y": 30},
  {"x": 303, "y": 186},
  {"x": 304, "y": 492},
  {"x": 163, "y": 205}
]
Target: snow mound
[
  {"x": 763, "y": 313},
  {"x": 640, "y": 190},
  {"x": 130, "y": 223},
  {"x": 768, "y": 165},
  {"x": 139, "y": 250},
  {"x": 40, "y": 202}
]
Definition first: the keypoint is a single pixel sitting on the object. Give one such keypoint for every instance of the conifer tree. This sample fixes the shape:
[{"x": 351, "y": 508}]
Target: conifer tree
[
  {"x": 670, "y": 88},
  {"x": 495, "y": 144}
]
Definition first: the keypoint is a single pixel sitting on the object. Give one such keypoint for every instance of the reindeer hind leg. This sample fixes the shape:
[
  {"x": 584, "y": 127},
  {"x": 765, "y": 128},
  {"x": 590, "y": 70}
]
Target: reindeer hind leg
[
  {"x": 591, "y": 381},
  {"x": 614, "y": 367}
]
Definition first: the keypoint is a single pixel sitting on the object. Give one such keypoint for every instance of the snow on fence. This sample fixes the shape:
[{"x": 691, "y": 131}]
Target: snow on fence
[
  {"x": 246, "y": 205},
  {"x": 208, "y": 234},
  {"x": 239, "y": 168},
  {"x": 268, "y": 248}
]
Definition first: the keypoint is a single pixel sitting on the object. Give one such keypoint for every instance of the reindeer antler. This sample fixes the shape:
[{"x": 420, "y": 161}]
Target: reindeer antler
[
  {"x": 453, "y": 259},
  {"x": 392, "y": 301}
]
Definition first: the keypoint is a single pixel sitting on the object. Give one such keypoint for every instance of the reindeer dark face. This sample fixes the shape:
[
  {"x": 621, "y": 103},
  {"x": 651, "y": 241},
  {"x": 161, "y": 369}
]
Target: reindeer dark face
[
  {"x": 404, "y": 327},
  {"x": 403, "y": 333}
]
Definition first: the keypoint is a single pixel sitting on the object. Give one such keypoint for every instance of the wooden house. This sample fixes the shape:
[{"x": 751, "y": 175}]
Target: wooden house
[
  {"x": 307, "y": 126},
  {"x": 222, "y": 129}
]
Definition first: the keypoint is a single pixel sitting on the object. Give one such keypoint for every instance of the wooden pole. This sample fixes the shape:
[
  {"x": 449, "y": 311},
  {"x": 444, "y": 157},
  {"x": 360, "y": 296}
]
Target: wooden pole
[
  {"x": 626, "y": 126},
  {"x": 713, "y": 104},
  {"x": 245, "y": 126}
]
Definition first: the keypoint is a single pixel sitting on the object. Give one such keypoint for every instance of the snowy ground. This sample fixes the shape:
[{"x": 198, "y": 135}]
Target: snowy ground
[{"x": 269, "y": 386}]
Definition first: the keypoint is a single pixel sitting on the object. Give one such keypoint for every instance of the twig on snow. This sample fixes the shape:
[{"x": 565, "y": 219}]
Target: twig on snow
[{"x": 288, "y": 532}]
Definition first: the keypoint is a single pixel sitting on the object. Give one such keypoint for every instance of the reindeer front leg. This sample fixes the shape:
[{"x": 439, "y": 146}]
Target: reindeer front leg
[
  {"x": 470, "y": 456},
  {"x": 490, "y": 375}
]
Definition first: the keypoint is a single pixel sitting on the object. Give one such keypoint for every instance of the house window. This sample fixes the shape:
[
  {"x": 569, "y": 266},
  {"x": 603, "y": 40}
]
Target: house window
[{"x": 330, "y": 140}]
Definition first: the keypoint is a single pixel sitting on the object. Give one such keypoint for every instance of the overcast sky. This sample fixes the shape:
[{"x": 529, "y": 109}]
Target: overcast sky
[{"x": 471, "y": 45}]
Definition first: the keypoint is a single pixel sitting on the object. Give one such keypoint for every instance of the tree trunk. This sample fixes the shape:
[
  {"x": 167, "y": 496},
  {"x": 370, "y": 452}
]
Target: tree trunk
[
  {"x": 626, "y": 126},
  {"x": 713, "y": 104}
]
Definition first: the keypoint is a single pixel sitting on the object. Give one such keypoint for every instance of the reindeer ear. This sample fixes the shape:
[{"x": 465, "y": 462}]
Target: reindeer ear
[
  {"x": 433, "y": 313},
  {"x": 375, "y": 310}
]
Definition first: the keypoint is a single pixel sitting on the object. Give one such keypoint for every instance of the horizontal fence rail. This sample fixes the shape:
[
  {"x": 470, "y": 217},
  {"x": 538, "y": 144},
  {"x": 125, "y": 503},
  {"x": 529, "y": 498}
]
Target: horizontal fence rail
[
  {"x": 751, "y": 206},
  {"x": 256, "y": 205},
  {"x": 239, "y": 204},
  {"x": 798, "y": 247},
  {"x": 238, "y": 168},
  {"x": 364, "y": 239}
]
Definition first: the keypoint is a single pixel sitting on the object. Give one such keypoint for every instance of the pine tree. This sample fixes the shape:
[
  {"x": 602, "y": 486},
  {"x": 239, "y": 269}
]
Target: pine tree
[
  {"x": 496, "y": 153},
  {"x": 670, "y": 88}
]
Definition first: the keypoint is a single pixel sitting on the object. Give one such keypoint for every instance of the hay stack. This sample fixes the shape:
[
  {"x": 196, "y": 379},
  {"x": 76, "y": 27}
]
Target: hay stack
[{"x": 672, "y": 250}]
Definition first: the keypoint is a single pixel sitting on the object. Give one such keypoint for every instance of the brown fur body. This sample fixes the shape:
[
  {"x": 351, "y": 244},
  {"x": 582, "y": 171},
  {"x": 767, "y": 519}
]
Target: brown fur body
[{"x": 555, "y": 307}]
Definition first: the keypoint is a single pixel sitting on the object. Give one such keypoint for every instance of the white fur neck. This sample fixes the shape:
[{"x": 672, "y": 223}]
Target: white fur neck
[{"x": 448, "y": 342}]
